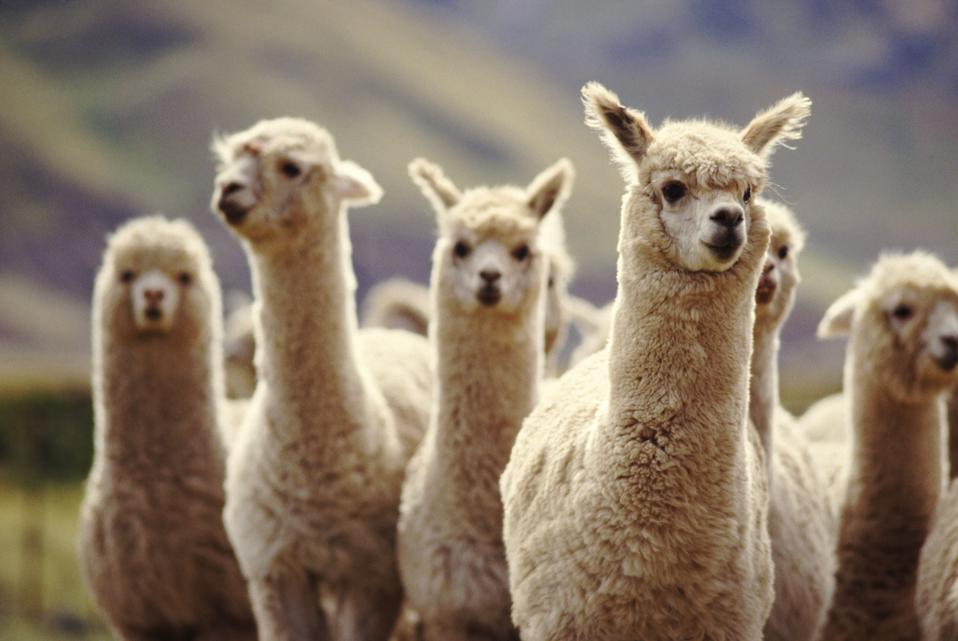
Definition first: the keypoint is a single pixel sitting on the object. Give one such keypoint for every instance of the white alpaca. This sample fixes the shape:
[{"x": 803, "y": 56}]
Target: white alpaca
[
  {"x": 403, "y": 304},
  {"x": 800, "y": 521},
  {"x": 635, "y": 498},
  {"x": 151, "y": 541},
  {"x": 902, "y": 356},
  {"x": 488, "y": 291},
  {"x": 313, "y": 480}
]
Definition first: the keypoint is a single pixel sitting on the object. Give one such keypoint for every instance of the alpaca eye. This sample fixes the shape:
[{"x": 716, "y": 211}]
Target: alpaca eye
[
  {"x": 783, "y": 252},
  {"x": 290, "y": 169},
  {"x": 126, "y": 275},
  {"x": 673, "y": 191},
  {"x": 902, "y": 312},
  {"x": 461, "y": 249},
  {"x": 747, "y": 196},
  {"x": 185, "y": 278},
  {"x": 521, "y": 252}
]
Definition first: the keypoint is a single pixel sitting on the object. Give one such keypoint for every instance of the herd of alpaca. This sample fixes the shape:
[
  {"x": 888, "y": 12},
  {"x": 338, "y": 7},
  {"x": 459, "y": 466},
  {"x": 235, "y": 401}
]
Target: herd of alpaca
[{"x": 428, "y": 474}]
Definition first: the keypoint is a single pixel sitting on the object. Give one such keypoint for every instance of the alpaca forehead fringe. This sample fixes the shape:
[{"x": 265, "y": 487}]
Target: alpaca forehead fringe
[
  {"x": 711, "y": 155},
  {"x": 277, "y": 134},
  {"x": 785, "y": 227},
  {"x": 493, "y": 212},
  {"x": 158, "y": 240},
  {"x": 919, "y": 270}
]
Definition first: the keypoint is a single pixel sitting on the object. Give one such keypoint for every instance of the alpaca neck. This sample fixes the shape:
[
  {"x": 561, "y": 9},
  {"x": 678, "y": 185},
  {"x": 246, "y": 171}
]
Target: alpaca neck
[
  {"x": 678, "y": 370},
  {"x": 307, "y": 327},
  {"x": 157, "y": 411},
  {"x": 896, "y": 471},
  {"x": 488, "y": 374},
  {"x": 763, "y": 398}
]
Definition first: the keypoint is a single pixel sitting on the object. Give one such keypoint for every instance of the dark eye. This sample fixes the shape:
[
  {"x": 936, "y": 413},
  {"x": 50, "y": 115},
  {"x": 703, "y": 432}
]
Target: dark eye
[
  {"x": 185, "y": 278},
  {"x": 673, "y": 191},
  {"x": 290, "y": 169},
  {"x": 747, "y": 196},
  {"x": 126, "y": 275},
  {"x": 902, "y": 312},
  {"x": 783, "y": 252},
  {"x": 521, "y": 252},
  {"x": 461, "y": 249}
]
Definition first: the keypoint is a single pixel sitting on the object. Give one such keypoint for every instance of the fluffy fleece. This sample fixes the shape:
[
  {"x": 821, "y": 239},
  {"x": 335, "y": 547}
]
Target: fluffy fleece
[
  {"x": 397, "y": 303},
  {"x": 488, "y": 291},
  {"x": 800, "y": 521},
  {"x": 635, "y": 497},
  {"x": 903, "y": 322},
  {"x": 314, "y": 478},
  {"x": 151, "y": 540}
]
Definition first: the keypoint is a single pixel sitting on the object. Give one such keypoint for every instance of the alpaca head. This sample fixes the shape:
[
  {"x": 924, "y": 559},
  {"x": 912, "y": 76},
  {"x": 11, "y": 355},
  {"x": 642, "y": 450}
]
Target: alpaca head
[
  {"x": 698, "y": 178},
  {"x": 904, "y": 321},
  {"x": 488, "y": 256},
  {"x": 282, "y": 175},
  {"x": 156, "y": 282},
  {"x": 775, "y": 294}
]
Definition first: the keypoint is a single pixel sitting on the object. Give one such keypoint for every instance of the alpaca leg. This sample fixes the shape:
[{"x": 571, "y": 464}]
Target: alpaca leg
[
  {"x": 287, "y": 608},
  {"x": 368, "y": 613}
]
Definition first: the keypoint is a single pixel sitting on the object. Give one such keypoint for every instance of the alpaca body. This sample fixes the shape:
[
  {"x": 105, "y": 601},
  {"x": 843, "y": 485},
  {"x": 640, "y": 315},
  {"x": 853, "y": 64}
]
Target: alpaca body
[{"x": 151, "y": 540}]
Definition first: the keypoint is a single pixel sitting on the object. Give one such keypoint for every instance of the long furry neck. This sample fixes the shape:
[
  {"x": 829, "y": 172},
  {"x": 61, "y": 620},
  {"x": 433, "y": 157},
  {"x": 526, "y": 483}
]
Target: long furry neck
[
  {"x": 763, "y": 398},
  {"x": 157, "y": 405},
  {"x": 897, "y": 466},
  {"x": 307, "y": 327},
  {"x": 488, "y": 371}
]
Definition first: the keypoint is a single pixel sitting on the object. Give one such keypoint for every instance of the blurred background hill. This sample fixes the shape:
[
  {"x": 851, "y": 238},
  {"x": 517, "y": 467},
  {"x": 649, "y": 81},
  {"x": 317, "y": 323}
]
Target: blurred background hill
[{"x": 108, "y": 109}]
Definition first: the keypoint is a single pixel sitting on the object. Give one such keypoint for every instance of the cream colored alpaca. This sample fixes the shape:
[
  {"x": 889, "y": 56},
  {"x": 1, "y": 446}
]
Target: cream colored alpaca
[
  {"x": 488, "y": 291},
  {"x": 239, "y": 347},
  {"x": 313, "y": 481},
  {"x": 635, "y": 498},
  {"x": 403, "y": 304},
  {"x": 903, "y": 322},
  {"x": 151, "y": 541},
  {"x": 800, "y": 521}
]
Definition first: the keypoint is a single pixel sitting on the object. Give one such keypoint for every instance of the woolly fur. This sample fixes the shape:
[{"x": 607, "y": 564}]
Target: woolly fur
[
  {"x": 895, "y": 394},
  {"x": 489, "y": 362},
  {"x": 313, "y": 482},
  {"x": 635, "y": 498},
  {"x": 151, "y": 540}
]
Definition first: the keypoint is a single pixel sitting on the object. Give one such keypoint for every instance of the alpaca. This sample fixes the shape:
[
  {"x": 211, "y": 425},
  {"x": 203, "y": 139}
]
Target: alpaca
[
  {"x": 488, "y": 291},
  {"x": 313, "y": 480},
  {"x": 152, "y": 546},
  {"x": 403, "y": 304},
  {"x": 901, "y": 359},
  {"x": 827, "y": 420},
  {"x": 635, "y": 498},
  {"x": 936, "y": 598},
  {"x": 239, "y": 348},
  {"x": 800, "y": 522}
]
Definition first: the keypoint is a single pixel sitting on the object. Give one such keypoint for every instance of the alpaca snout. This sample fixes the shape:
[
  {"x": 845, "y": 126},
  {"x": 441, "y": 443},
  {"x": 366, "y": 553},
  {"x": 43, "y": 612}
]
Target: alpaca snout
[
  {"x": 232, "y": 209},
  {"x": 947, "y": 354},
  {"x": 489, "y": 294}
]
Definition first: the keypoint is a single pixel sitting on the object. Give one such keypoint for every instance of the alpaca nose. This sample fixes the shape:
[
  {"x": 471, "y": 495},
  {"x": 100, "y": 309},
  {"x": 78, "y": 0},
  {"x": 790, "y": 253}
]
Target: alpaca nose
[
  {"x": 231, "y": 188},
  {"x": 727, "y": 217},
  {"x": 769, "y": 266},
  {"x": 490, "y": 275},
  {"x": 153, "y": 296},
  {"x": 949, "y": 358}
]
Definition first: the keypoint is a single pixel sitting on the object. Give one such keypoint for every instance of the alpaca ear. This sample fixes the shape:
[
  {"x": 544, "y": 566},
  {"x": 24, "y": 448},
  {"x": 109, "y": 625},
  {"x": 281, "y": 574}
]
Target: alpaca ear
[
  {"x": 354, "y": 184},
  {"x": 778, "y": 124},
  {"x": 551, "y": 188},
  {"x": 624, "y": 131},
  {"x": 441, "y": 192},
  {"x": 837, "y": 320}
]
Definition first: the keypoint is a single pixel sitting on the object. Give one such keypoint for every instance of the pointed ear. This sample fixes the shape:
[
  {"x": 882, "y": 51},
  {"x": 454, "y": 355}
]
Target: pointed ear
[
  {"x": 438, "y": 190},
  {"x": 624, "y": 131},
  {"x": 778, "y": 124},
  {"x": 837, "y": 320},
  {"x": 355, "y": 185},
  {"x": 551, "y": 188}
]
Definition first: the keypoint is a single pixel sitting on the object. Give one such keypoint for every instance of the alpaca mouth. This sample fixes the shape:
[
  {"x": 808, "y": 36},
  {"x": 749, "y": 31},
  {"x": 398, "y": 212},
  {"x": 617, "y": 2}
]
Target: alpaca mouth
[
  {"x": 724, "y": 252},
  {"x": 765, "y": 291},
  {"x": 153, "y": 313},
  {"x": 489, "y": 296},
  {"x": 233, "y": 211},
  {"x": 947, "y": 361}
]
